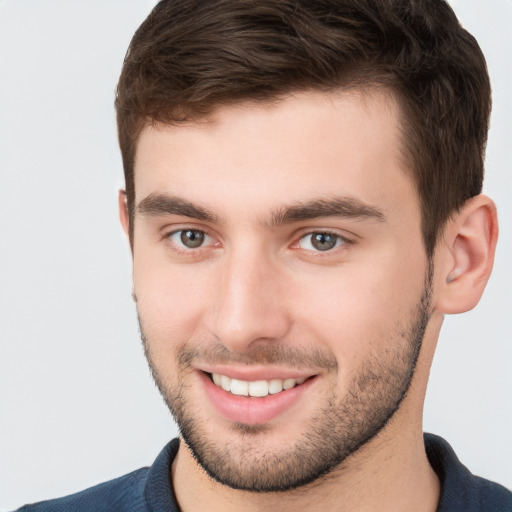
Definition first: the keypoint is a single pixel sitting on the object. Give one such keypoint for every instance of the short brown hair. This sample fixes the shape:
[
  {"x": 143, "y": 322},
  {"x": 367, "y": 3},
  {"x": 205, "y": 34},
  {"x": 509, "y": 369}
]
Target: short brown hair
[{"x": 190, "y": 57}]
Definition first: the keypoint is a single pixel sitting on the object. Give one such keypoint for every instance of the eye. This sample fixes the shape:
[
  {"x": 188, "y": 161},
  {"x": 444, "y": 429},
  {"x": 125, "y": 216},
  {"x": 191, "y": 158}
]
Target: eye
[
  {"x": 189, "y": 238},
  {"x": 321, "y": 241}
]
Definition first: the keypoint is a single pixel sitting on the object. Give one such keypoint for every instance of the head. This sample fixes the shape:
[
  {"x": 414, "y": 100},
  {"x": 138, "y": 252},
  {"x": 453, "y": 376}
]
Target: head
[{"x": 292, "y": 169}]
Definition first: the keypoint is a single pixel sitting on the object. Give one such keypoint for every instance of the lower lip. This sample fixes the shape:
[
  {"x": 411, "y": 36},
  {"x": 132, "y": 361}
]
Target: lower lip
[{"x": 250, "y": 410}]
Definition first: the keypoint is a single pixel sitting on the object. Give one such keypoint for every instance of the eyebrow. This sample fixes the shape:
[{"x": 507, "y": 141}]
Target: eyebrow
[
  {"x": 345, "y": 207},
  {"x": 163, "y": 204}
]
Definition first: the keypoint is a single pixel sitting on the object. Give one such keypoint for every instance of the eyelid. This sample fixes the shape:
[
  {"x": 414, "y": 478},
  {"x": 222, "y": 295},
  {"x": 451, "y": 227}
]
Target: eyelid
[
  {"x": 170, "y": 229},
  {"x": 213, "y": 238},
  {"x": 168, "y": 232},
  {"x": 205, "y": 241},
  {"x": 345, "y": 239}
]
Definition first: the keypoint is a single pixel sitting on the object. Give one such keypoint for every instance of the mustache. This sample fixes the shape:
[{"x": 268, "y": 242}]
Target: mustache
[{"x": 214, "y": 352}]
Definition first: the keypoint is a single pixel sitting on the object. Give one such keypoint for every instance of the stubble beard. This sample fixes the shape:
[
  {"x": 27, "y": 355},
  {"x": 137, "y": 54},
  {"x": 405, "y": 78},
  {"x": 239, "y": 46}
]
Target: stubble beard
[{"x": 339, "y": 429}]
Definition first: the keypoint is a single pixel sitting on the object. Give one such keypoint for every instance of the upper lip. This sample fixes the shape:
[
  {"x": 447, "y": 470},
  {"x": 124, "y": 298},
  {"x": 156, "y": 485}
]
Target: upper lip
[{"x": 251, "y": 374}]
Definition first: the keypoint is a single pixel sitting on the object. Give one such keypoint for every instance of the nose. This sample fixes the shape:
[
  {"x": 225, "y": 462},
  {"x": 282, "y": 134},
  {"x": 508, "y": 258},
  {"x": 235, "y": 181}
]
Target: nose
[{"x": 250, "y": 306}]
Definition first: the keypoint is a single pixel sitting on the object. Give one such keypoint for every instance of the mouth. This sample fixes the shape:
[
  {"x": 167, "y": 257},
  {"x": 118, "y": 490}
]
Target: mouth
[
  {"x": 257, "y": 395},
  {"x": 257, "y": 388}
]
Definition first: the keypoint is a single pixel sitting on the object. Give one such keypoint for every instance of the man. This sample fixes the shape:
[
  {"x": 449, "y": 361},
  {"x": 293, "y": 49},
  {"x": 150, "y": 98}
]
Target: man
[{"x": 303, "y": 205}]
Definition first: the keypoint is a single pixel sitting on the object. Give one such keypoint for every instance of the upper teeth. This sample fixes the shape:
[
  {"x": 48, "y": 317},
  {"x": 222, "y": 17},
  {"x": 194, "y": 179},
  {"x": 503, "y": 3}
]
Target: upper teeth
[{"x": 258, "y": 388}]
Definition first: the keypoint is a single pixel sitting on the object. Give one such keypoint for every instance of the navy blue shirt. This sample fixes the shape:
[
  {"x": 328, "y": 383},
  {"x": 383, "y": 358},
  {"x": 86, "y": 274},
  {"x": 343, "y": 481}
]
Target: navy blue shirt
[{"x": 150, "y": 490}]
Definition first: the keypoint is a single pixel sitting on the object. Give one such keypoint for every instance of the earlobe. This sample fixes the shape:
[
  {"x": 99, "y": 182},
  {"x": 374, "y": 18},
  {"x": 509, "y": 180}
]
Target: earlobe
[
  {"x": 466, "y": 256},
  {"x": 123, "y": 211}
]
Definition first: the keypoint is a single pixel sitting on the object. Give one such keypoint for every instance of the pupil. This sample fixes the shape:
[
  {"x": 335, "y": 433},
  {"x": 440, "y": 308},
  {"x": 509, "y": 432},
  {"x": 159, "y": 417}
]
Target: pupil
[
  {"x": 192, "y": 239},
  {"x": 323, "y": 241}
]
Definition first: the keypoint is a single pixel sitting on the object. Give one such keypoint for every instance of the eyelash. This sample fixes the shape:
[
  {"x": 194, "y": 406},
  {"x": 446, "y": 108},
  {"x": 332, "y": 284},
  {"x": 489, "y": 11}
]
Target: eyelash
[
  {"x": 340, "y": 241},
  {"x": 178, "y": 247}
]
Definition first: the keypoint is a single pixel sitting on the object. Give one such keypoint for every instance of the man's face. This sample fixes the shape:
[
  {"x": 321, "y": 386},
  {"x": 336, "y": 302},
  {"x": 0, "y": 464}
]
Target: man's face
[{"x": 281, "y": 281}]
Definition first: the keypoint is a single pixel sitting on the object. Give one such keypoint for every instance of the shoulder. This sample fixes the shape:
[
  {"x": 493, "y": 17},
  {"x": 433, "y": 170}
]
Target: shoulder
[
  {"x": 125, "y": 493},
  {"x": 142, "y": 490},
  {"x": 477, "y": 495},
  {"x": 460, "y": 489},
  {"x": 491, "y": 496}
]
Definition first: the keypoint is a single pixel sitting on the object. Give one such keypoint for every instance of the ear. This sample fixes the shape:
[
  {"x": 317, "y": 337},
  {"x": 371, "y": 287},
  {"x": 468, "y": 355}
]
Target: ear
[
  {"x": 123, "y": 212},
  {"x": 466, "y": 256}
]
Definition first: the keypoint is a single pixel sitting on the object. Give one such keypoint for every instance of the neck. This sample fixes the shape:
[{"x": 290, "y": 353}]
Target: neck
[{"x": 391, "y": 473}]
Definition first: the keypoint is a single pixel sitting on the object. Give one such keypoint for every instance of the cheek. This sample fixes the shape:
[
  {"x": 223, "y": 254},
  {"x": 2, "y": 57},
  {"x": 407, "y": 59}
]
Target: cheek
[
  {"x": 360, "y": 310},
  {"x": 170, "y": 303}
]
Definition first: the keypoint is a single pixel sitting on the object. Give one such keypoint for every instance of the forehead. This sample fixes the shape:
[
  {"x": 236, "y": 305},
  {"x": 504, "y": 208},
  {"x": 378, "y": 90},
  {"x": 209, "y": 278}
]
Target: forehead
[{"x": 257, "y": 156}]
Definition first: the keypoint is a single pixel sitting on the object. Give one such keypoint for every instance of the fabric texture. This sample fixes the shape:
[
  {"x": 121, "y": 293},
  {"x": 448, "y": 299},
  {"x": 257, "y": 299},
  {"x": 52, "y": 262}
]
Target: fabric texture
[{"x": 150, "y": 490}]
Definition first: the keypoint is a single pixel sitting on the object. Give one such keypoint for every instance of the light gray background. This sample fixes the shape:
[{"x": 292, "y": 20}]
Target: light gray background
[{"x": 77, "y": 405}]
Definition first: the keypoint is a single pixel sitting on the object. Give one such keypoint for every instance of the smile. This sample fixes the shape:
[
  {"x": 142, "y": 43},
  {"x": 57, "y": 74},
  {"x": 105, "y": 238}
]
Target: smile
[{"x": 258, "y": 388}]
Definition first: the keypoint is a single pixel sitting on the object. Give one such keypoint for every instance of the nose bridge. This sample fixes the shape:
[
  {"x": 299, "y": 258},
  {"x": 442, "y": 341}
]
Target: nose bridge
[{"x": 249, "y": 305}]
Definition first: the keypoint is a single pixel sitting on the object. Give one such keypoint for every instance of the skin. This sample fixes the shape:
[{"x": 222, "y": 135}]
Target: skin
[{"x": 257, "y": 285}]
